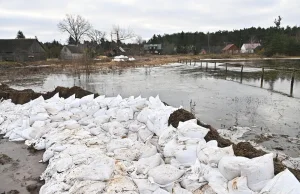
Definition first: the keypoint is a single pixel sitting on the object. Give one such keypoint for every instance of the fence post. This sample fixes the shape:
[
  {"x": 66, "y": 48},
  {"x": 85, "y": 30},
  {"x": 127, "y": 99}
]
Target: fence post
[
  {"x": 262, "y": 78},
  {"x": 215, "y": 65},
  {"x": 206, "y": 65},
  {"x": 292, "y": 83},
  {"x": 226, "y": 67},
  {"x": 242, "y": 73}
]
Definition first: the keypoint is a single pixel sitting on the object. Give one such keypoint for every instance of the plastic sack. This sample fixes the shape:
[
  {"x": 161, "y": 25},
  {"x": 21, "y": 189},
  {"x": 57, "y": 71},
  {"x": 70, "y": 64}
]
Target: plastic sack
[
  {"x": 125, "y": 114},
  {"x": 119, "y": 143},
  {"x": 212, "y": 155},
  {"x": 190, "y": 130},
  {"x": 165, "y": 174},
  {"x": 145, "y": 164},
  {"x": 284, "y": 182},
  {"x": 145, "y": 186},
  {"x": 90, "y": 187},
  {"x": 230, "y": 166},
  {"x": 187, "y": 155},
  {"x": 258, "y": 171}
]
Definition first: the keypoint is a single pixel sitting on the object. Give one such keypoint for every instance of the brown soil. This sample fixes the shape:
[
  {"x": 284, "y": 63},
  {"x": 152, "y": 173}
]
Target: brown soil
[
  {"x": 244, "y": 149},
  {"x": 24, "y": 96}
]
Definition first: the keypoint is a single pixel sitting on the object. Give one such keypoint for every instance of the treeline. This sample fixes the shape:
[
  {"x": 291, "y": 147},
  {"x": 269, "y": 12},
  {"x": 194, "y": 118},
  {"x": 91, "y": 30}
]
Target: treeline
[{"x": 274, "y": 40}]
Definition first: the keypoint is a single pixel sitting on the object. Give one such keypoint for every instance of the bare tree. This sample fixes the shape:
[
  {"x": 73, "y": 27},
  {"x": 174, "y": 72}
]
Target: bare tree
[
  {"x": 96, "y": 35},
  {"x": 76, "y": 26},
  {"x": 119, "y": 34}
]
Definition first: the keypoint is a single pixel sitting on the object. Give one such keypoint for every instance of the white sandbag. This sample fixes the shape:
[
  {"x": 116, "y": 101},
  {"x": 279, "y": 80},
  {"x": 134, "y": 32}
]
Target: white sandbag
[
  {"x": 47, "y": 155},
  {"x": 38, "y": 117},
  {"x": 100, "y": 112},
  {"x": 212, "y": 155},
  {"x": 165, "y": 174},
  {"x": 284, "y": 182},
  {"x": 178, "y": 190},
  {"x": 147, "y": 150},
  {"x": 54, "y": 108},
  {"x": 120, "y": 184},
  {"x": 160, "y": 191},
  {"x": 100, "y": 169},
  {"x": 40, "y": 144},
  {"x": 259, "y": 171},
  {"x": 190, "y": 130},
  {"x": 119, "y": 143},
  {"x": 124, "y": 114},
  {"x": 61, "y": 116},
  {"x": 167, "y": 135},
  {"x": 145, "y": 134},
  {"x": 99, "y": 120},
  {"x": 145, "y": 186},
  {"x": 86, "y": 99},
  {"x": 75, "y": 103},
  {"x": 54, "y": 187},
  {"x": 90, "y": 187},
  {"x": 30, "y": 133},
  {"x": 115, "y": 102},
  {"x": 145, "y": 164},
  {"x": 155, "y": 103},
  {"x": 239, "y": 186},
  {"x": 143, "y": 115},
  {"x": 63, "y": 164},
  {"x": 38, "y": 124},
  {"x": 126, "y": 154},
  {"x": 230, "y": 166},
  {"x": 187, "y": 155},
  {"x": 171, "y": 147},
  {"x": 71, "y": 124},
  {"x": 135, "y": 126}
]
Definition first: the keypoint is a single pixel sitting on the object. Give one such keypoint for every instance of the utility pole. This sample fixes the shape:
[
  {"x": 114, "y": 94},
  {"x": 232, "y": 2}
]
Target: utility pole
[{"x": 208, "y": 42}]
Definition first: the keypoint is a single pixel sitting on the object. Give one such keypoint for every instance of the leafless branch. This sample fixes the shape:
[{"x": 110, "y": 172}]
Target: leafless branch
[
  {"x": 119, "y": 34},
  {"x": 96, "y": 35},
  {"x": 75, "y": 26}
]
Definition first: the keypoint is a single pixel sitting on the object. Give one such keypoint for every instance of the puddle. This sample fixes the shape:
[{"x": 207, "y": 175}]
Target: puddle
[{"x": 222, "y": 101}]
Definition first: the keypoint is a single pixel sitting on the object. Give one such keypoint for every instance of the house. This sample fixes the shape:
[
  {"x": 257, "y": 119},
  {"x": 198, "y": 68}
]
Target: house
[
  {"x": 249, "y": 48},
  {"x": 203, "y": 52},
  {"x": 21, "y": 50},
  {"x": 153, "y": 48},
  {"x": 230, "y": 49},
  {"x": 72, "y": 52}
]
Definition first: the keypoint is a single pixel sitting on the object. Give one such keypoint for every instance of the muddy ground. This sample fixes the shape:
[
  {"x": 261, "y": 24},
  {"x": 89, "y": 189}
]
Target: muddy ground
[{"x": 20, "y": 168}]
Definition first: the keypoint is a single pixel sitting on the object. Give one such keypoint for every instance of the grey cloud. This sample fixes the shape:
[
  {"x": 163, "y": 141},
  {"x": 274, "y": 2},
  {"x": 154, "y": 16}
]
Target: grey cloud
[{"x": 145, "y": 17}]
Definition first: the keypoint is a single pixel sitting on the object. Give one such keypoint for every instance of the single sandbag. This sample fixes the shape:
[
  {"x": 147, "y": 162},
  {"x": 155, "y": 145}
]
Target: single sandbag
[
  {"x": 239, "y": 186},
  {"x": 230, "y": 166},
  {"x": 259, "y": 171},
  {"x": 165, "y": 174}
]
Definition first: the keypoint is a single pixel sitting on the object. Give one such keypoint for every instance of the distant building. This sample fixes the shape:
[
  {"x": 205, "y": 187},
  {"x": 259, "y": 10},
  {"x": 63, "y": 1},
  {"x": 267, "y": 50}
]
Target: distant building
[
  {"x": 203, "y": 52},
  {"x": 72, "y": 52},
  {"x": 153, "y": 48},
  {"x": 230, "y": 49},
  {"x": 21, "y": 50},
  {"x": 249, "y": 48}
]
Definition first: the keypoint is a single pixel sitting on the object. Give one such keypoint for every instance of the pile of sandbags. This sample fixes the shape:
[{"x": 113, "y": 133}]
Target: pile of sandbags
[{"x": 124, "y": 145}]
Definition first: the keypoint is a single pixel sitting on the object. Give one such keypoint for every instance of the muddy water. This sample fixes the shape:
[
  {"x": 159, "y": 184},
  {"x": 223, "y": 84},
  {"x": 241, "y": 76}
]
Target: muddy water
[{"x": 220, "y": 100}]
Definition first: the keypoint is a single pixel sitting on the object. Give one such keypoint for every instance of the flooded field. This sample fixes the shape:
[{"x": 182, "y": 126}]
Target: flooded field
[{"x": 221, "y": 99}]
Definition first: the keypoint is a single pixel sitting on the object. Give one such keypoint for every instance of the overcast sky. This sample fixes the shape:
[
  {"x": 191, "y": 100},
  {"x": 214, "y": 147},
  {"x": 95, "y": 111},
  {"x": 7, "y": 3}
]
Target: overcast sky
[{"x": 146, "y": 17}]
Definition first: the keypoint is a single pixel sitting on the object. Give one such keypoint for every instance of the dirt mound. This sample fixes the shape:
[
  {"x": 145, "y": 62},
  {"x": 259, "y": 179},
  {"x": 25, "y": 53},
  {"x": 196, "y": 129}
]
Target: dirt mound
[
  {"x": 24, "y": 96},
  {"x": 183, "y": 115},
  {"x": 247, "y": 150},
  {"x": 4, "y": 159},
  {"x": 179, "y": 115}
]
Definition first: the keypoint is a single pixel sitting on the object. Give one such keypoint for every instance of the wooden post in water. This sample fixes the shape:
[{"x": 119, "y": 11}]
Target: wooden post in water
[
  {"x": 262, "y": 78},
  {"x": 215, "y": 65},
  {"x": 195, "y": 63},
  {"x": 201, "y": 64},
  {"x": 191, "y": 62},
  {"x": 242, "y": 73},
  {"x": 206, "y": 65},
  {"x": 226, "y": 67},
  {"x": 186, "y": 61},
  {"x": 292, "y": 83}
]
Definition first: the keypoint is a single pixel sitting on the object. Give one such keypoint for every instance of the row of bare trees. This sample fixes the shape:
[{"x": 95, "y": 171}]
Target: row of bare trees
[{"x": 78, "y": 28}]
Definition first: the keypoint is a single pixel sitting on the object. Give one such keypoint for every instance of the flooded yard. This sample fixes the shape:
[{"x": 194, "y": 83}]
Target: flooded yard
[{"x": 221, "y": 99}]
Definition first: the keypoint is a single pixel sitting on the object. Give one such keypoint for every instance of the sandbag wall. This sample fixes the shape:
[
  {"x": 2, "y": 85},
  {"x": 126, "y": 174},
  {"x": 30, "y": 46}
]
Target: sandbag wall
[{"x": 117, "y": 145}]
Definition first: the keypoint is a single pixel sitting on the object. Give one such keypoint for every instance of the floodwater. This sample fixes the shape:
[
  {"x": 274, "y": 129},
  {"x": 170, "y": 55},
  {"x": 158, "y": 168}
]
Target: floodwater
[{"x": 220, "y": 99}]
